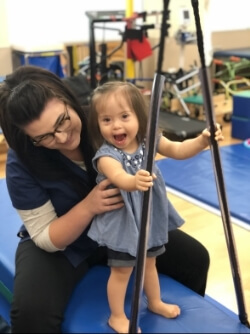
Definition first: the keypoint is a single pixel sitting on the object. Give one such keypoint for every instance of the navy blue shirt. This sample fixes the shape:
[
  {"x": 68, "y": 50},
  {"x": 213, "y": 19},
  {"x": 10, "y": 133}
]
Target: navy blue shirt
[{"x": 27, "y": 192}]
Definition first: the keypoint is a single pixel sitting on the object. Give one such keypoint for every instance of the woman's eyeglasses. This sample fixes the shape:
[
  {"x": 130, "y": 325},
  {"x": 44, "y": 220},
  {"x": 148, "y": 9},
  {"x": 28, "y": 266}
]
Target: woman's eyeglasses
[{"x": 63, "y": 126}]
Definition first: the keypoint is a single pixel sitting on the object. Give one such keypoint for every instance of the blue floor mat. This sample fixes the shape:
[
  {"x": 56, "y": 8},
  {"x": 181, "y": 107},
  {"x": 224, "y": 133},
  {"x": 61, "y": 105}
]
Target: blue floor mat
[
  {"x": 90, "y": 314},
  {"x": 195, "y": 178}
]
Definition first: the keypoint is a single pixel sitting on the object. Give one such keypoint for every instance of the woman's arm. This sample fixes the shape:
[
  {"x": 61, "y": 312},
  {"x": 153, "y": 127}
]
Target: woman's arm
[
  {"x": 53, "y": 233},
  {"x": 67, "y": 228},
  {"x": 58, "y": 224},
  {"x": 188, "y": 148},
  {"x": 36, "y": 222}
]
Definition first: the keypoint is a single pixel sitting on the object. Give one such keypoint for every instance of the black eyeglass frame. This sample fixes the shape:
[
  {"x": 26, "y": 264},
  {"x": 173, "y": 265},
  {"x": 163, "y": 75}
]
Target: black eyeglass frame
[{"x": 65, "y": 117}]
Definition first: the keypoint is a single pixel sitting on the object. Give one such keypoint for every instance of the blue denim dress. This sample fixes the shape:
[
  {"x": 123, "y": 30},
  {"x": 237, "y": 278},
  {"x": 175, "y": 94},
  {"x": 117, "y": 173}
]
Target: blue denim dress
[{"x": 119, "y": 229}]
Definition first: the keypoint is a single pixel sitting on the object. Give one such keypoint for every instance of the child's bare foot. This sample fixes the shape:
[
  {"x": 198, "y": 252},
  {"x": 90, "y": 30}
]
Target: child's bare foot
[
  {"x": 120, "y": 324},
  {"x": 164, "y": 309}
]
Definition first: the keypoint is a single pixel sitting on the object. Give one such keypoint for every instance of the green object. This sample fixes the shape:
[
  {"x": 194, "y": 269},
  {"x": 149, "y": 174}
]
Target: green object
[
  {"x": 194, "y": 99},
  {"x": 244, "y": 93},
  {"x": 5, "y": 292}
]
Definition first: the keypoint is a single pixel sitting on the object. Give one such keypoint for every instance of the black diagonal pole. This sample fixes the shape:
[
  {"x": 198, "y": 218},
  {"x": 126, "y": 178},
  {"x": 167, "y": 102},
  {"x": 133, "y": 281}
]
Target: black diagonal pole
[
  {"x": 152, "y": 126},
  {"x": 208, "y": 105}
]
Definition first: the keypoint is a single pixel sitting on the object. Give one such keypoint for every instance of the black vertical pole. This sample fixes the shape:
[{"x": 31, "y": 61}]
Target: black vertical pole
[
  {"x": 164, "y": 28},
  {"x": 92, "y": 53},
  {"x": 69, "y": 49},
  {"x": 103, "y": 64},
  {"x": 146, "y": 205},
  {"x": 208, "y": 106}
]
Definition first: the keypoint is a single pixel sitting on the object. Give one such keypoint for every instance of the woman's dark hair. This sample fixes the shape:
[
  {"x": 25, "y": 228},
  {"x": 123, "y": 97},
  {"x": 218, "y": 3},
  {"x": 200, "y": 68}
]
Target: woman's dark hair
[
  {"x": 23, "y": 96},
  {"x": 135, "y": 99}
]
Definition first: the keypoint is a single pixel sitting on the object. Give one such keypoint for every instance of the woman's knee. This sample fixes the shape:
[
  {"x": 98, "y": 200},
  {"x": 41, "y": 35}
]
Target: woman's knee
[{"x": 33, "y": 316}]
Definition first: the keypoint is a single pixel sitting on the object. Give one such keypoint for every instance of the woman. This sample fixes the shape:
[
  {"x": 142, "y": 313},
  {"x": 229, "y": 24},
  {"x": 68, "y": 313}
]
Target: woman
[{"x": 51, "y": 183}]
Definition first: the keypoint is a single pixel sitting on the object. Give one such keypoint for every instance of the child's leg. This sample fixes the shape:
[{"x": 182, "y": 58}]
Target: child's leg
[
  {"x": 117, "y": 287},
  {"x": 153, "y": 293}
]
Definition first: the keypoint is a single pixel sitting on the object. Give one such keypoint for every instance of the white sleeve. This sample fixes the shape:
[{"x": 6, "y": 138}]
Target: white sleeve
[{"x": 37, "y": 223}]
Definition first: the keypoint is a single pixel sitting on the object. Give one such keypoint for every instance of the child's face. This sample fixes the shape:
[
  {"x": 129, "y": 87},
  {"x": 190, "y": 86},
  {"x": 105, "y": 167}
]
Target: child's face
[{"x": 118, "y": 123}]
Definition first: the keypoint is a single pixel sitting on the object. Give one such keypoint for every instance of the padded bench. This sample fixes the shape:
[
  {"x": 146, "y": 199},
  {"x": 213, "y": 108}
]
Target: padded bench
[{"x": 88, "y": 312}]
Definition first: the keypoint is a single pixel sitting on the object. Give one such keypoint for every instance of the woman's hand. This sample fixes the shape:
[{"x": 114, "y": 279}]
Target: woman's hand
[{"x": 101, "y": 199}]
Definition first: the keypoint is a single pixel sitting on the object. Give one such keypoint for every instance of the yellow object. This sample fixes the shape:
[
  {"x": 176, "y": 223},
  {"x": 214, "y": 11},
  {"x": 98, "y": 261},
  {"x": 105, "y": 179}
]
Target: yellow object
[
  {"x": 129, "y": 8},
  {"x": 130, "y": 66},
  {"x": 47, "y": 54}
]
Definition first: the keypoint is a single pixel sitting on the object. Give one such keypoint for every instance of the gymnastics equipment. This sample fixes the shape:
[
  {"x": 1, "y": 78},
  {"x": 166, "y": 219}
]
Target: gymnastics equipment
[
  {"x": 147, "y": 199},
  {"x": 184, "y": 85},
  {"x": 179, "y": 127},
  {"x": 240, "y": 53},
  {"x": 183, "y": 93},
  {"x": 220, "y": 185},
  {"x": 232, "y": 76},
  {"x": 99, "y": 17},
  {"x": 131, "y": 35},
  {"x": 130, "y": 66},
  {"x": 231, "y": 69},
  {"x": 242, "y": 83},
  {"x": 241, "y": 115},
  {"x": 138, "y": 35},
  {"x": 175, "y": 126},
  {"x": 199, "y": 187}
]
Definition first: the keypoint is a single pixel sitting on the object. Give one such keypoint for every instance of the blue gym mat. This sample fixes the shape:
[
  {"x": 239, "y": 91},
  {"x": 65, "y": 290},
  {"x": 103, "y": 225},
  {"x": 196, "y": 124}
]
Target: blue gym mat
[
  {"x": 88, "y": 311},
  {"x": 194, "y": 179}
]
